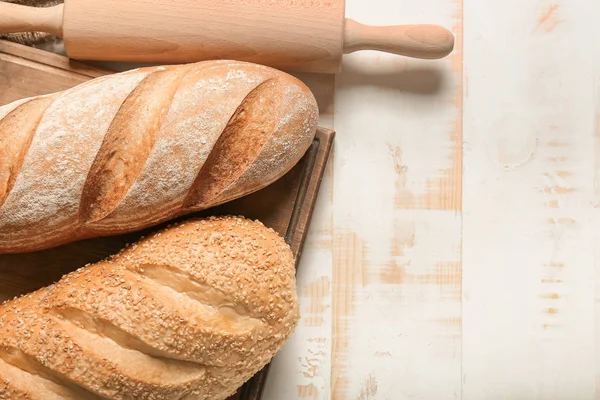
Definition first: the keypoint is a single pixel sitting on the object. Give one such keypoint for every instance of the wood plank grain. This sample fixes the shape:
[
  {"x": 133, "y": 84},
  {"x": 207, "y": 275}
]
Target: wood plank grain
[
  {"x": 24, "y": 72},
  {"x": 528, "y": 229},
  {"x": 596, "y": 202},
  {"x": 50, "y": 59},
  {"x": 594, "y": 14},
  {"x": 397, "y": 217}
]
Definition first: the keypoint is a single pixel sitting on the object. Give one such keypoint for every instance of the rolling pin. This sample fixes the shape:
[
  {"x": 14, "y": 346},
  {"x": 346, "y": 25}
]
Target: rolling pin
[{"x": 294, "y": 35}]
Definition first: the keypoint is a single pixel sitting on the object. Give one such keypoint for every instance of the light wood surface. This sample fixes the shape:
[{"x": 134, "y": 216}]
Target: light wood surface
[
  {"x": 531, "y": 221},
  {"x": 293, "y": 35},
  {"x": 463, "y": 214}
]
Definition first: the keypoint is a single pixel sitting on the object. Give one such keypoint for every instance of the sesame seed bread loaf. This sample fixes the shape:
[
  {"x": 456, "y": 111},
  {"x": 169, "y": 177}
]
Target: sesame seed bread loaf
[
  {"x": 190, "y": 312},
  {"x": 127, "y": 151}
]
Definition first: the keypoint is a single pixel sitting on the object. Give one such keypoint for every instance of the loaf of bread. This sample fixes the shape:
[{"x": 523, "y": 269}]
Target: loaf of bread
[
  {"x": 190, "y": 312},
  {"x": 126, "y": 151}
]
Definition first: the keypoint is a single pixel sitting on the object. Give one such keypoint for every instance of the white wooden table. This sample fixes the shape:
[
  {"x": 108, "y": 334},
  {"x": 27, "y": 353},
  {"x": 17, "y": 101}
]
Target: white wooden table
[{"x": 453, "y": 251}]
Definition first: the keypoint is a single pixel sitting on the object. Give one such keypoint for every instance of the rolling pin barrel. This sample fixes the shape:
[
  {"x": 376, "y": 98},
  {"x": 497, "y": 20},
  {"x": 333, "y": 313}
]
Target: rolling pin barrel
[{"x": 293, "y": 35}]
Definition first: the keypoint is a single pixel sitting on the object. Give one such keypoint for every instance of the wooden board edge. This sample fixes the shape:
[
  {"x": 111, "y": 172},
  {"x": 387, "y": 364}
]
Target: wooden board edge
[
  {"x": 28, "y": 63},
  {"x": 324, "y": 140},
  {"x": 51, "y": 59}
]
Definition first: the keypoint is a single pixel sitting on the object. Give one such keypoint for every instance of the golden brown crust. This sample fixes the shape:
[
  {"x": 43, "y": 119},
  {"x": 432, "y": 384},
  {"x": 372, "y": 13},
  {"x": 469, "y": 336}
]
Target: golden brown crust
[
  {"x": 127, "y": 151},
  {"x": 127, "y": 144},
  {"x": 195, "y": 309},
  {"x": 16, "y": 139}
]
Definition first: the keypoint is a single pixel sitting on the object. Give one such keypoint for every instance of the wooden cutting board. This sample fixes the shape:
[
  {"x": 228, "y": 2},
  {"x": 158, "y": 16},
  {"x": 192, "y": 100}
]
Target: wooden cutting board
[{"x": 285, "y": 205}]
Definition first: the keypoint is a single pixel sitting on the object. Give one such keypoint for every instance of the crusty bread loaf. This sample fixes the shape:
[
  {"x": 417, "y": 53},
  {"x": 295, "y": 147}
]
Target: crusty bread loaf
[
  {"x": 127, "y": 151},
  {"x": 190, "y": 312}
]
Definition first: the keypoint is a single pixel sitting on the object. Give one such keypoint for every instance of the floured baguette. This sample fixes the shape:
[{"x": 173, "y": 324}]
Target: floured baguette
[
  {"x": 191, "y": 312},
  {"x": 130, "y": 150}
]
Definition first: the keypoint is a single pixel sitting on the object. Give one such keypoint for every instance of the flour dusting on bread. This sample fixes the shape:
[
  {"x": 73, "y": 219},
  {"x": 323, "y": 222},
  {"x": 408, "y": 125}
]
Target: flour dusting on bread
[{"x": 47, "y": 207}]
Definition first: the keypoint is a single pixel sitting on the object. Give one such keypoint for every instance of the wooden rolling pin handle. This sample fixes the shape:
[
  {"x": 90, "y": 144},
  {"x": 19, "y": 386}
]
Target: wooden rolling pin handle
[
  {"x": 15, "y": 18},
  {"x": 417, "y": 41}
]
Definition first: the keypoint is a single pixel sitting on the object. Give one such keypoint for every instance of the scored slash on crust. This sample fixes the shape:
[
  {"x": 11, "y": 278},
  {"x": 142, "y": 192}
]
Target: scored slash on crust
[{"x": 127, "y": 151}]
